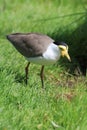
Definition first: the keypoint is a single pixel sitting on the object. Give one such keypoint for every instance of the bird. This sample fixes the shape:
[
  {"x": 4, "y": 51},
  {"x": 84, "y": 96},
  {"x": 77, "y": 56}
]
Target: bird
[{"x": 38, "y": 49}]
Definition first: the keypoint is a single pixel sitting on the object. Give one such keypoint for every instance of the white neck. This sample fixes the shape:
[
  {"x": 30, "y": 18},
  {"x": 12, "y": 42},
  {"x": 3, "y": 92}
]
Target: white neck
[{"x": 53, "y": 52}]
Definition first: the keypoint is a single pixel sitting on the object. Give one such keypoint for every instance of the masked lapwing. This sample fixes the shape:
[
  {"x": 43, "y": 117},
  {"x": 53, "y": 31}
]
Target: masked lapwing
[{"x": 39, "y": 49}]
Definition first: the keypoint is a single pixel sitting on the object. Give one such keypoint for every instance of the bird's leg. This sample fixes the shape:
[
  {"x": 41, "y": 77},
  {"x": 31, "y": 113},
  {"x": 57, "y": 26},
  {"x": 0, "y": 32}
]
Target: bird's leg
[
  {"x": 26, "y": 71},
  {"x": 42, "y": 76}
]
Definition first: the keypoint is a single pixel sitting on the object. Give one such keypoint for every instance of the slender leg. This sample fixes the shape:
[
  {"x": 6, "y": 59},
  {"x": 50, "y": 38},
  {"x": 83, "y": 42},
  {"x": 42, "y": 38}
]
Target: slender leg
[
  {"x": 26, "y": 71},
  {"x": 42, "y": 76}
]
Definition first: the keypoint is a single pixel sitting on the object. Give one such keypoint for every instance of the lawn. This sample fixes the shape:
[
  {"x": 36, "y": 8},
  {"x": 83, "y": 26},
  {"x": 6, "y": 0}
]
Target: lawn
[{"x": 62, "y": 105}]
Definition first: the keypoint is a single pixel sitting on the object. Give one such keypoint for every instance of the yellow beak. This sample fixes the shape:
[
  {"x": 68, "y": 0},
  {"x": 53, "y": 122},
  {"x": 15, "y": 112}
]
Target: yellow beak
[
  {"x": 68, "y": 57},
  {"x": 65, "y": 53}
]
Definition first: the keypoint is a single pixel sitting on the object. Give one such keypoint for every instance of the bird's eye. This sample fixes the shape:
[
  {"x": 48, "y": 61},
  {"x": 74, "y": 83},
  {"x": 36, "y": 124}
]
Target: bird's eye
[{"x": 62, "y": 49}]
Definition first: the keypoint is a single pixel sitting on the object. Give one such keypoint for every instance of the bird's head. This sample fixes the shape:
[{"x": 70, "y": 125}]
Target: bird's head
[{"x": 64, "y": 50}]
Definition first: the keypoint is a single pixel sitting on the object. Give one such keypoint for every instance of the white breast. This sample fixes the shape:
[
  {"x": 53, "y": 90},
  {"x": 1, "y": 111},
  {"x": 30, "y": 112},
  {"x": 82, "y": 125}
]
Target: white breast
[
  {"x": 50, "y": 56},
  {"x": 52, "y": 53}
]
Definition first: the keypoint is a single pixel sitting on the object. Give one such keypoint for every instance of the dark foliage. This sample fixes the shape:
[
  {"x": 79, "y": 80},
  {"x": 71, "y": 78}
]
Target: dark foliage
[{"x": 77, "y": 41}]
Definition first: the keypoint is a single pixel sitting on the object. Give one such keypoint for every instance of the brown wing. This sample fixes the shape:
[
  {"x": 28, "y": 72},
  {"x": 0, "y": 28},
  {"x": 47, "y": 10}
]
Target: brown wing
[{"x": 30, "y": 44}]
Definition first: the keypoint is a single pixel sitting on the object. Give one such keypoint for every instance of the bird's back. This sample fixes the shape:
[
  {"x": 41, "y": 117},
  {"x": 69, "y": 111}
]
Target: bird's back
[{"x": 30, "y": 44}]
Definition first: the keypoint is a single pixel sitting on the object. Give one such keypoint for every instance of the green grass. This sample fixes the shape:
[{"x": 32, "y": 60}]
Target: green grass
[{"x": 64, "y": 99}]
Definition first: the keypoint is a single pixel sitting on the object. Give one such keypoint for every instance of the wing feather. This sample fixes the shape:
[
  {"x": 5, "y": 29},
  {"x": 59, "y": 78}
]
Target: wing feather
[{"x": 30, "y": 44}]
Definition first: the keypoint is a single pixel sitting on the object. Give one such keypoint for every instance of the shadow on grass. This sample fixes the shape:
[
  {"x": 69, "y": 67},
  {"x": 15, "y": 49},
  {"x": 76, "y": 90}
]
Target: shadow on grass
[
  {"x": 22, "y": 80},
  {"x": 77, "y": 41},
  {"x": 19, "y": 78}
]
